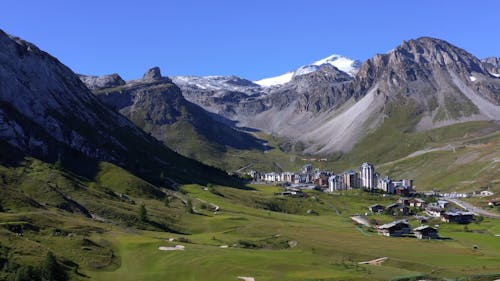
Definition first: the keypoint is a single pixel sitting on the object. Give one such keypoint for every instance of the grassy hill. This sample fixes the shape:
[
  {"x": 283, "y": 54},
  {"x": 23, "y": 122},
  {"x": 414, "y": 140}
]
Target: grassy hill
[{"x": 267, "y": 237}]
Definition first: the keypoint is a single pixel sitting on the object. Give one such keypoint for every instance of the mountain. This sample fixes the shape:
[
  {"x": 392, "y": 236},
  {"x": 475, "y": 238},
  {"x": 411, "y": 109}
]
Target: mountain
[
  {"x": 157, "y": 106},
  {"x": 48, "y": 113},
  {"x": 340, "y": 62},
  {"x": 421, "y": 85},
  {"x": 492, "y": 64}
]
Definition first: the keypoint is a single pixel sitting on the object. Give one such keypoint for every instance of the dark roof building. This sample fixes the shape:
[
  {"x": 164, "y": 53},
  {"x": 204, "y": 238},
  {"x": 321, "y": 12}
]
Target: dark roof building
[{"x": 425, "y": 232}]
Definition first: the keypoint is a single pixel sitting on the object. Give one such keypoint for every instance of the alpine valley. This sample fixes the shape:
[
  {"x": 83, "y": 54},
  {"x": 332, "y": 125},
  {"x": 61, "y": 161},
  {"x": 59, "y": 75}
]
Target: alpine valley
[{"x": 157, "y": 178}]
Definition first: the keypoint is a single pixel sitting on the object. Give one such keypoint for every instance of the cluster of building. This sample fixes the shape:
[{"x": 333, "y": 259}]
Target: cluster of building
[
  {"x": 407, "y": 206},
  {"x": 366, "y": 177}
]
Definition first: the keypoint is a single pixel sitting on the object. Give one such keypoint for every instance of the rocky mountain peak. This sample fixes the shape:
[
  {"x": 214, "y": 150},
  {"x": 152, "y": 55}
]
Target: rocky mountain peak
[
  {"x": 152, "y": 74},
  {"x": 99, "y": 82}
]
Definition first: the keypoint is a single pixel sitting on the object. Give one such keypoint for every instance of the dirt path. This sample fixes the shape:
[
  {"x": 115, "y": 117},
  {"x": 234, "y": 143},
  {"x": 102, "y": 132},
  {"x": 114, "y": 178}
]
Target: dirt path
[
  {"x": 361, "y": 220},
  {"x": 421, "y": 152},
  {"x": 378, "y": 261},
  {"x": 246, "y": 278}
]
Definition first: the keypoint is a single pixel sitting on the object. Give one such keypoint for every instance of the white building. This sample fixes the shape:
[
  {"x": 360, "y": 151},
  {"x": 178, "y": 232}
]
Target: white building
[
  {"x": 335, "y": 183},
  {"x": 367, "y": 176}
]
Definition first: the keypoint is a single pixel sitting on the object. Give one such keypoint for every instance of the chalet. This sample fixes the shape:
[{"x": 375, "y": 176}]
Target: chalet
[
  {"x": 394, "y": 208},
  {"x": 443, "y": 203},
  {"x": 434, "y": 211},
  {"x": 494, "y": 202},
  {"x": 425, "y": 232},
  {"x": 422, "y": 219},
  {"x": 417, "y": 203},
  {"x": 457, "y": 217},
  {"x": 394, "y": 229},
  {"x": 376, "y": 208},
  {"x": 404, "y": 201},
  {"x": 486, "y": 193},
  {"x": 402, "y": 191}
]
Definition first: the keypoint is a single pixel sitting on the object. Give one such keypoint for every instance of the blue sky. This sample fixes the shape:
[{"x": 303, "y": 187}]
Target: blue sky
[{"x": 252, "y": 39}]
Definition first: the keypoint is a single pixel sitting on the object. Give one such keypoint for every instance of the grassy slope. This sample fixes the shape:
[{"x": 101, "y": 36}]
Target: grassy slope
[{"x": 328, "y": 245}]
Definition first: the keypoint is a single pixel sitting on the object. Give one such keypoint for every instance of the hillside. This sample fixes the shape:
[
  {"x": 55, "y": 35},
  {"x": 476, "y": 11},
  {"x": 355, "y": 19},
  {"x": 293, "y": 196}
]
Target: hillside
[
  {"x": 157, "y": 106},
  {"x": 48, "y": 113}
]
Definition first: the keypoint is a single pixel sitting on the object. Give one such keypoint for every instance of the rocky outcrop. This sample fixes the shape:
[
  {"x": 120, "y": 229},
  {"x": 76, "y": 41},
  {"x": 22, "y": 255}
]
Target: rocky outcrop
[
  {"x": 105, "y": 81},
  {"x": 152, "y": 74}
]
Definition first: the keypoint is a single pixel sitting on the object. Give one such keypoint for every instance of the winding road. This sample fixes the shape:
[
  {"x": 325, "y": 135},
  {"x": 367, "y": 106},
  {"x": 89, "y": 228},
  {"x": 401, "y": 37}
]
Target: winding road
[{"x": 473, "y": 209}]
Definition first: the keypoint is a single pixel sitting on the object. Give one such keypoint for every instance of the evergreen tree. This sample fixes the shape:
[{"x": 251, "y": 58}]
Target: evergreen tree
[
  {"x": 142, "y": 213},
  {"x": 59, "y": 165},
  {"x": 52, "y": 270},
  {"x": 26, "y": 273}
]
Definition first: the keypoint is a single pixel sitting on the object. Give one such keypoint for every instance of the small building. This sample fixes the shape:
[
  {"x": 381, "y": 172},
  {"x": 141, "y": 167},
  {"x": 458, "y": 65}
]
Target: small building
[
  {"x": 457, "y": 217},
  {"x": 396, "y": 208},
  {"x": 376, "y": 208},
  {"x": 494, "y": 202},
  {"x": 405, "y": 201},
  {"x": 417, "y": 203},
  {"x": 291, "y": 193},
  {"x": 486, "y": 193},
  {"x": 425, "y": 232},
  {"x": 394, "y": 229},
  {"x": 434, "y": 211},
  {"x": 443, "y": 203}
]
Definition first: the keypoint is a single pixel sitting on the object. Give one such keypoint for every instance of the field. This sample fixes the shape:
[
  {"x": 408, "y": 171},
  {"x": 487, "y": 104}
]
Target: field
[{"x": 262, "y": 235}]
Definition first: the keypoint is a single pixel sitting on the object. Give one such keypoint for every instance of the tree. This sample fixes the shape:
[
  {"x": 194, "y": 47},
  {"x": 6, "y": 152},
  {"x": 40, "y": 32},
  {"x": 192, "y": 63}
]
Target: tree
[
  {"x": 189, "y": 206},
  {"x": 142, "y": 213},
  {"x": 52, "y": 270},
  {"x": 26, "y": 273},
  {"x": 59, "y": 165}
]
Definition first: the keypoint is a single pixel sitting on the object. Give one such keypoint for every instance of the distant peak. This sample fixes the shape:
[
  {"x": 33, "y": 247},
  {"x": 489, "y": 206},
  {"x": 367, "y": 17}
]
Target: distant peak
[
  {"x": 153, "y": 73},
  {"x": 342, "y": 63}
]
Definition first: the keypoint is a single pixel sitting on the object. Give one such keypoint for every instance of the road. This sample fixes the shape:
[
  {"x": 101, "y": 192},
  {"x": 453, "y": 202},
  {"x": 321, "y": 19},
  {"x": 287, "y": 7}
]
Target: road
[{"x": 473, "y": 209}]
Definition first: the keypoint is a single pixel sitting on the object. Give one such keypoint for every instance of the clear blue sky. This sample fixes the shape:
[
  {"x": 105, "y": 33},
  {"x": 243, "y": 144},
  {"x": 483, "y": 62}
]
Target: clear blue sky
[{"x": 253, "y": 39}]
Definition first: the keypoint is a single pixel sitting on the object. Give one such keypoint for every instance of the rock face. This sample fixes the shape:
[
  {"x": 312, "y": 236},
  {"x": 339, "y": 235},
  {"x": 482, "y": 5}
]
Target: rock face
[
  {"x": 157, "y": 106},
  {"x": 47, "y": 112},
  {"x": 152, "y": 74},
  {"x": 106, "y": 81}
]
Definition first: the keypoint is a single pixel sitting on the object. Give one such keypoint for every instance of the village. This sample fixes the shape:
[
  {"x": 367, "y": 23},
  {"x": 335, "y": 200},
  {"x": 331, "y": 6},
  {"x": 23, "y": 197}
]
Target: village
[{"x": 423, "y": 207}]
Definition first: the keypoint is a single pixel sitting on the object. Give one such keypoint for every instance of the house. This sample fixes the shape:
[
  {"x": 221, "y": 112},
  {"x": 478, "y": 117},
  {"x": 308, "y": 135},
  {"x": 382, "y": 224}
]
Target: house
[
  {"x": 434, "y": 211},
  {"x": 402, "y": 191},
  {"x": 394, "y": 229},
  {"x": 443, "y": 203},
  {"x": 417, "y": 203},
  {"x": 486, "y": 193},
  {"x": 494, "y": 202},
  {"x": 291, "y": 193},
  {"x": 404, "y": 200},
  {"x": 425, "y": 232},
  {"x": 394, "y": 208},
  {"x": 457, "y": 217},
  {"x": 376, "y": 208}
]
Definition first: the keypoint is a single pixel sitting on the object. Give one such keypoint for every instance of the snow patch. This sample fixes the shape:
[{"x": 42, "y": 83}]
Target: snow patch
[
  {"x": 495, "y": 74},
  {"x": 472, "y": 78},
  {"x": 342, "y": 63},
  {"x": 278, "y": 80}
]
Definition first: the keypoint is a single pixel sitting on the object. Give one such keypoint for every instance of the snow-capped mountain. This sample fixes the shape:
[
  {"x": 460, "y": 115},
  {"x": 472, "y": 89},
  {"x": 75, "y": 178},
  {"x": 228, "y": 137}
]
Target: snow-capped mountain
[{"x": 342, "y": 63}]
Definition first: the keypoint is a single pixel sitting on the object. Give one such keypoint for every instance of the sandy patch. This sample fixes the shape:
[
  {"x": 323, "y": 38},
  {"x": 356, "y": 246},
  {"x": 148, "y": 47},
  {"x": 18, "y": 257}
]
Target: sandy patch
[
  {"x": 378, "y": 261},
  {"x": 246, "y": 278},
  {"x": 176, "y": 248}
]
